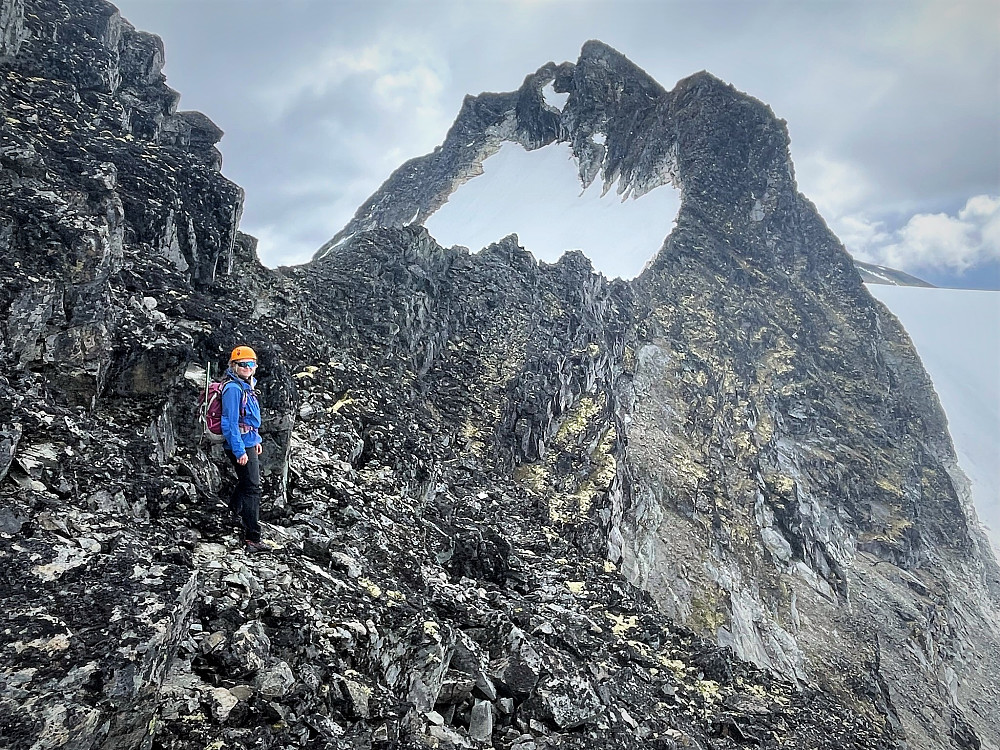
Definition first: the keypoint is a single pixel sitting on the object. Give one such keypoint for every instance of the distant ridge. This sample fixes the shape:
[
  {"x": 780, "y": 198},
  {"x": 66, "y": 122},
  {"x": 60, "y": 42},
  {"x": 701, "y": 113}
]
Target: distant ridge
[{"x": 873, "y": 274}]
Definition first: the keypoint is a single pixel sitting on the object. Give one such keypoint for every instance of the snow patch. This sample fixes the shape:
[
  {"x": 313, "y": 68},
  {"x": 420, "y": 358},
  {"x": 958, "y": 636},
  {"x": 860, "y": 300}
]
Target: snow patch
[
  {"x": 538, "y": 196},
  {"x": 599, "y": 139},
  {"x": 957, "y": 335},
  {"x": 881, "y": 275}
]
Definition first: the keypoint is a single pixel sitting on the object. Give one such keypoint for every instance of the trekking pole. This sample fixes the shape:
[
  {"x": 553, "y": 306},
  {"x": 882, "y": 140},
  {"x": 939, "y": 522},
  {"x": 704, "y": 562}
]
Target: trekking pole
[{"x": 203, "y": 409}]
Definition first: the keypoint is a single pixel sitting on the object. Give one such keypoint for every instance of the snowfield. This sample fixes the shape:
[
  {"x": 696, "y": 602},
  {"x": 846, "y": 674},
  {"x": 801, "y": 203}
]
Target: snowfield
[{"x": 957, "y": 335}]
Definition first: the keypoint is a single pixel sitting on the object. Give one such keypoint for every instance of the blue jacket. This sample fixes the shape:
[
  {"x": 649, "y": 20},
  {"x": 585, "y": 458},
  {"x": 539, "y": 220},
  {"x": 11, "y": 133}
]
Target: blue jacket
[{"x": 241, "y": 430}]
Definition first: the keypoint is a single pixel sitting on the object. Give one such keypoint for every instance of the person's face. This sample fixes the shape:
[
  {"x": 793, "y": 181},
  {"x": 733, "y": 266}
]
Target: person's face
[{"x": 245, "y": 367}]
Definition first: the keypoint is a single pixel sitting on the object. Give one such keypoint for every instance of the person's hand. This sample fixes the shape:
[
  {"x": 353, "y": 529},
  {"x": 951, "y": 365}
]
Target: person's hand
[
  {"x": 260, "y": 448},
  {"x": 242, "y": 460}
]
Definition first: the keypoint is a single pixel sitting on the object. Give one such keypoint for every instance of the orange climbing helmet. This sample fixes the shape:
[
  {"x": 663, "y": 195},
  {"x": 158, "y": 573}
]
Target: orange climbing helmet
[{"x": 243, "y": 352}]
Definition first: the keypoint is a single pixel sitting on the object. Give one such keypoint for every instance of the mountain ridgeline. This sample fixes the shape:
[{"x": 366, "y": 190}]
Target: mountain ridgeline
[{"x": 512, "y": 504}]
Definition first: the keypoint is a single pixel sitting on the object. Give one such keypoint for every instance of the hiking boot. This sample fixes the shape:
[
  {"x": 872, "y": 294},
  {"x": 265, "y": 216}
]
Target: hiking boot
[{"x": 252, "y": 548}]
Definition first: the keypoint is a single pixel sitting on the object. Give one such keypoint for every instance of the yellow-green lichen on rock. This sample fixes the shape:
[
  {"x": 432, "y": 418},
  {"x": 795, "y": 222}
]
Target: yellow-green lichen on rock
[
  {"x": 709, "y": 610},
  {"x": 577, "y": 420}
]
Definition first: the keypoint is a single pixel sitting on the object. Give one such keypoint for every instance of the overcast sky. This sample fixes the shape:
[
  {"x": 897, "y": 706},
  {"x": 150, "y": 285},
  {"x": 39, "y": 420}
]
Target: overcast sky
[{"x": 893, "y": 106}]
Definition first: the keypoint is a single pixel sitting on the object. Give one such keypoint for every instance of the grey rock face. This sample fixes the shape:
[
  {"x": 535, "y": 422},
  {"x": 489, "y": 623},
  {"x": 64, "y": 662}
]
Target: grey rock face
[
  {"x": 496, "y": 490},
  {"x": 11, "y": 27}
]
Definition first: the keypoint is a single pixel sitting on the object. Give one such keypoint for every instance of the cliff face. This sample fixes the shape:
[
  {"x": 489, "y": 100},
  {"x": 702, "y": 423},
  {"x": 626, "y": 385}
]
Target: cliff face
[{"x": 508, "y": 499}]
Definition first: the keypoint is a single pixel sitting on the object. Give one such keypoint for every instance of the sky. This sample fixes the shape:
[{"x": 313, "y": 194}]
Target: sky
[{"x": 893, "y": 106}]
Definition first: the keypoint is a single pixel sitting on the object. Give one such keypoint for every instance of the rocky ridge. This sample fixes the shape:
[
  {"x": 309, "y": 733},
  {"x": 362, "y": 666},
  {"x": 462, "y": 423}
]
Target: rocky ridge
[
  {"x": 873, "y": 274},
  {"x": 463, "y": 455}
]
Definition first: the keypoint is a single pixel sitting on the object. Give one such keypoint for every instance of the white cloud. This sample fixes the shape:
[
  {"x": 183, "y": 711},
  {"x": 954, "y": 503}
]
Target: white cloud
[
  {"x": 836, "y": 187},
  {"x": 982, "y": 208},
  {"x": 401, "y": 72},
  {"x": 319, "y": 76},
  {"x": 845, "y": 195},
  {"x": 862, "y": 237},
  {"x": 940, "y": 241},
  {"x": 841, "y": 191},
  {"x": 397, "y": 88}
]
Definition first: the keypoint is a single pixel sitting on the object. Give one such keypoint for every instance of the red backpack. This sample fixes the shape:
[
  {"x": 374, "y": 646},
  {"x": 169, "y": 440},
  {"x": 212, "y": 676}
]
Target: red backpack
[{"x": 210, "y": 408}]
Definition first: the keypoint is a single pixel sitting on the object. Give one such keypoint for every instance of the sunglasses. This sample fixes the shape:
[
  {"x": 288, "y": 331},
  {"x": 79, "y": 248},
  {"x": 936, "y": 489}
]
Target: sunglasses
[{"x": 251, "y": 365}]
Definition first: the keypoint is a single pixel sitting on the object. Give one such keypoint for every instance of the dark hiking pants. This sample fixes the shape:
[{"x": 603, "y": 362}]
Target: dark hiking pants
[{"x": 245, "y": 500}]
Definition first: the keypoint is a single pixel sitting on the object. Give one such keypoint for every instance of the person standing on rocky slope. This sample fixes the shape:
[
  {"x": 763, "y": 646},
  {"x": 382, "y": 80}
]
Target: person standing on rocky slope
[{"x": 241, "y": 430}]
